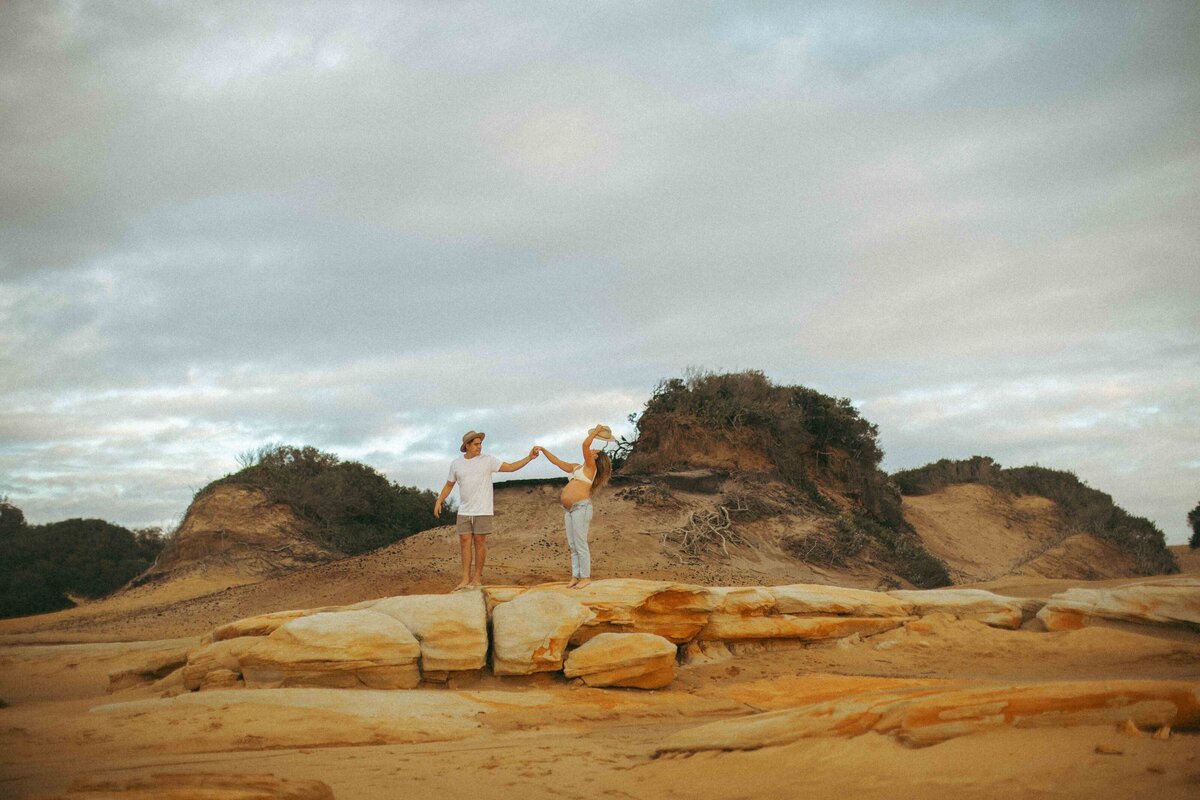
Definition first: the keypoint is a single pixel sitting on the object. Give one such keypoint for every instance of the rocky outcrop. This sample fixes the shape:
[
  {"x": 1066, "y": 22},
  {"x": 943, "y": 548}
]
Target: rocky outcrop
[
  {"x": 193, "y": 785},
  {"x": 530, "y": 633},
  {"x": 923, "y": 715},
  {"x": 977, "y": 604},
  {"x": 344, "y": 650},
  {"x": 639, "y": 660},
  {"x": 1167, "y": 601},
  {"x": 396, "y": 642}
]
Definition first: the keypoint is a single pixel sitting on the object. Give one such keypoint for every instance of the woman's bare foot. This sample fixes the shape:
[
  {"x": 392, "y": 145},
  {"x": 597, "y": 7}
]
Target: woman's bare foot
[
  {"x": 582, "y": 583},
  {"x": 464, "y": 583}
]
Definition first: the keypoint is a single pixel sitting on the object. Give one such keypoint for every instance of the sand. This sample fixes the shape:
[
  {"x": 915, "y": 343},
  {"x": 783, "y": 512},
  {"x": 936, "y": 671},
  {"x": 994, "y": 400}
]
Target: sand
[{"x": 544, "y": 737}]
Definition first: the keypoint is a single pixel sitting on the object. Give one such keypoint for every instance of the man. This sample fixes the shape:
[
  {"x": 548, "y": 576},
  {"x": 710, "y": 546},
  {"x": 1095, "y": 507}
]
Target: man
[{"x": 473, "y": 474}]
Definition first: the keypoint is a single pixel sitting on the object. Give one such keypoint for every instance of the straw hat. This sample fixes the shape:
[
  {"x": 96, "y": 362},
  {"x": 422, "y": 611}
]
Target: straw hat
[
  {"x": 602, "y": 432},
  {"x": 468, "y": 436}
]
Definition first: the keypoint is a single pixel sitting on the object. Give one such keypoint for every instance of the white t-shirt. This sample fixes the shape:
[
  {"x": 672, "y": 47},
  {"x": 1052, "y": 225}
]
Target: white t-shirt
[{"x": 474, "y": 479}]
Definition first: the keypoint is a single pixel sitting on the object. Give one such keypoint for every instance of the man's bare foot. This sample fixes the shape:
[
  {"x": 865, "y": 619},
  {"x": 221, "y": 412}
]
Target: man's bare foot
[
  {"x": 464, "y": 583},
  {"x": 574, "y": 581},
  {"x": 582, "y": 583}
]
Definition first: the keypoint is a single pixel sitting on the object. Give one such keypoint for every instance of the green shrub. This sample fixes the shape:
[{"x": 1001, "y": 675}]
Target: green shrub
[
  {"x": 352, "y": 507},
  {"x": 1193, "y": 519},
  {"x": 41, "y": 564},
  {"x": 932, "y": 477},
  {"x": 803, "y": 433}
]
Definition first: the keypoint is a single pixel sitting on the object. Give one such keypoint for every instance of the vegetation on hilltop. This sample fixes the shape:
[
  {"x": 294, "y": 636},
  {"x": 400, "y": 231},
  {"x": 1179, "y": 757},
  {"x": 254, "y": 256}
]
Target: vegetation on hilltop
[
  {"x": 41, "y": 565},
  {"x": 819, "y": 445},
  {"x": 1193, "y": 519},
  {"x": 802, "y": 433},
  {"x": 1084, "y": 509},
  {"x": 352, "y": 507}
]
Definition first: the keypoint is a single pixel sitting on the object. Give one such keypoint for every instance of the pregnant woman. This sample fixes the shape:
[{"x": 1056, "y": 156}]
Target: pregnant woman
[{"x": 587, "y": 479}]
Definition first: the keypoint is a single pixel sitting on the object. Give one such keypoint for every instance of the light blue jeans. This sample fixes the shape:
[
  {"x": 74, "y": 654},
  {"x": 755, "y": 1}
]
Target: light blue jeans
[{"x": 578, "y": 518}]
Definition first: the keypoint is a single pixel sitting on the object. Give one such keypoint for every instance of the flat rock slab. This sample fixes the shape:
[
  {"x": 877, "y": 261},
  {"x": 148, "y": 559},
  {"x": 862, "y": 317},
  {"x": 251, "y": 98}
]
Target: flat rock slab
[
  {"x": 638, "y": 660},
  {"x": 977, "y": 604},
  {"x": 198, "y": 786},
  {"x": 925, "y": 715},
  {"x": 258, "y": 719},
  {"x": 339, "y": 650},
  {"x": 1173, "y": 602},
  {"x": 817, "y": 600}
]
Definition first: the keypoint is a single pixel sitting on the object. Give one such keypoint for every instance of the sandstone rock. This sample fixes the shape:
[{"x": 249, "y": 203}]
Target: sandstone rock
[
  {"x": 207, "y": 665},
  {"x": 800, "y": 611},
  {"x": 1130, "y": 728},
  {"x": 675, "y": 611},
  {"x": 342, "y": 649},
  {"x": 640, "y": 660},
  {"x": 926, "y": 715},
  {"x": 977, "y": 604},
  {"x": 196, "y": 785},
  {"x": 815, "y": 600},
  {"x": 261, "y": 625},
  {"x": 1169, "y": 602},
  {"x": 495, "y": 595},
  {"x": 530, "y": 633},
  {"x": 452, "y": 628},
  {"x": 809, "y": 629},
  {"x": 696, "y": 653},
  {"x": 154, "y": 667},
  {"x": 222, "y": 679}
]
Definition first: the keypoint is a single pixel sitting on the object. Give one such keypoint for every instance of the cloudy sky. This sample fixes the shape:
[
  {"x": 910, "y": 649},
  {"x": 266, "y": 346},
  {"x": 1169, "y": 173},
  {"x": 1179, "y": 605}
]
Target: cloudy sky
[{"x": 369, "y": 226}]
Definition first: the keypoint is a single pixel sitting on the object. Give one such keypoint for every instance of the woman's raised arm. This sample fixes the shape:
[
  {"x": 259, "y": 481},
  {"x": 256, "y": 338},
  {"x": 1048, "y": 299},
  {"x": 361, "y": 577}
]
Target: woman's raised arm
[{"x": 556, "y": 461}]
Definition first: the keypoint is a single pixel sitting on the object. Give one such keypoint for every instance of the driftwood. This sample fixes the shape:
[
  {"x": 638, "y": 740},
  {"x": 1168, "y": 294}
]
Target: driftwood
[{"x": 704, "y": 532}]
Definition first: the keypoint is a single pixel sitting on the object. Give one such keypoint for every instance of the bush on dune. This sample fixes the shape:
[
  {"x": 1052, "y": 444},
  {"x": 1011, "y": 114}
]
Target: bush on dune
[
  {"x": 40, "y": 565},
  {"x": 818, "y": 444},
  {"x": 352, "y": 507},
  {"x": 1193, "y": 519}
]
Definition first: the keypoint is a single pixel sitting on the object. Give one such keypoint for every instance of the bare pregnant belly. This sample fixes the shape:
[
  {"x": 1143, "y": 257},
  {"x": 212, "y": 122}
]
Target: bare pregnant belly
[{"x": 573, "y": 492}]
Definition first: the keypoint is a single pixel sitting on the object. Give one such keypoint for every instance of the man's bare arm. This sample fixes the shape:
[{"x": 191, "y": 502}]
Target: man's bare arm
[
  {"x": 437, "y": 507},
  {"x": 516, "y": 465}
]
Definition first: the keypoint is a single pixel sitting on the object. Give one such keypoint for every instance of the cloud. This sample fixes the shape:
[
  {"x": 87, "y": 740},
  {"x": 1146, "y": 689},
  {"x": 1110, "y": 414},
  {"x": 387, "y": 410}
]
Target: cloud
[{"x": 363, "y": 227}]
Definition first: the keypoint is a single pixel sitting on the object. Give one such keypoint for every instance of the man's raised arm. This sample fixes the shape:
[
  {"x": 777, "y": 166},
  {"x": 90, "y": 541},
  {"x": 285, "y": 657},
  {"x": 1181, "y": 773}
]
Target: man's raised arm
[{"x": 516, "y": 465}]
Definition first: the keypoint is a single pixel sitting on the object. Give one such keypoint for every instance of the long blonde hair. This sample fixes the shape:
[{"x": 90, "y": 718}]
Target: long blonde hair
[{"x": 603, "y": 472}]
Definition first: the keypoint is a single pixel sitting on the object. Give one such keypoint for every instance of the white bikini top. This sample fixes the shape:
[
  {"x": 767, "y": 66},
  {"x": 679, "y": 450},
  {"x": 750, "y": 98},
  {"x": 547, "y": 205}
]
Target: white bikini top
[{"x": 578, "y": 475}]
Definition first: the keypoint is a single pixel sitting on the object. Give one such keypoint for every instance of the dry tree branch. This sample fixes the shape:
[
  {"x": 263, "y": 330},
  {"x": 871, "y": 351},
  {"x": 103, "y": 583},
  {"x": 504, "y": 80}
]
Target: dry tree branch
[{"x": 703, "y": 532}]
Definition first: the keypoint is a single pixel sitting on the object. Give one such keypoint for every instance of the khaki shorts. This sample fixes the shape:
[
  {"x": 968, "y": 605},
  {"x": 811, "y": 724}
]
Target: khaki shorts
[{"x": 480, "y": 525}]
